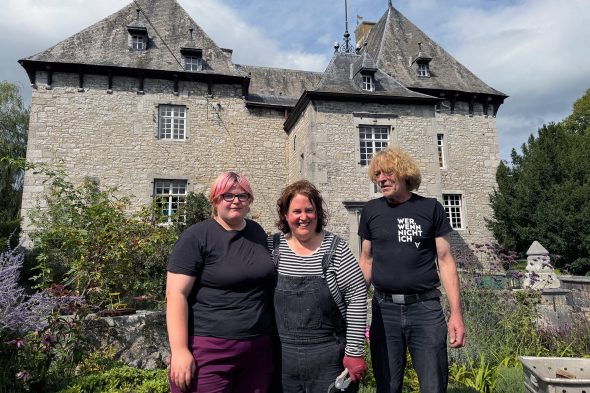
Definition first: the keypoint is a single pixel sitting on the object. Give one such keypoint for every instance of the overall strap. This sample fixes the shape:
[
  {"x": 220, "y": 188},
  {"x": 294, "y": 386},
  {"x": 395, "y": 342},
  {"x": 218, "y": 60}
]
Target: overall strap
[
  {"x": 276, "y": 242},
  {"x": 328, "y": 257}
]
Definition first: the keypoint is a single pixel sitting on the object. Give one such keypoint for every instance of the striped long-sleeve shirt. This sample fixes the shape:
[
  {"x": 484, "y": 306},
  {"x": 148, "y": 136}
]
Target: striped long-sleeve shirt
[{"x": 344, "y": 279}]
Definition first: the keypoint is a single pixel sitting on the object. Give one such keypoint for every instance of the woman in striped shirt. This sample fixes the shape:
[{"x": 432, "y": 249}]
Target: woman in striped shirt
[{"x": 320, "y": 297}]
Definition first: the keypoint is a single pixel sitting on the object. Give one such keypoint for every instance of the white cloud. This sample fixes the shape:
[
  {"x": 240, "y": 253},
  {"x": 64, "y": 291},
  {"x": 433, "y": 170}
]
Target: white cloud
[{"x": 534, "y": 52}]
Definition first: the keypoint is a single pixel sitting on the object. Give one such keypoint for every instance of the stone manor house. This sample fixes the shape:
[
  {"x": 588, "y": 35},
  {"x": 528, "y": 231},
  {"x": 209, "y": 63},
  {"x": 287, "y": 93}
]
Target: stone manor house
[{"x": 145, "y": 101}]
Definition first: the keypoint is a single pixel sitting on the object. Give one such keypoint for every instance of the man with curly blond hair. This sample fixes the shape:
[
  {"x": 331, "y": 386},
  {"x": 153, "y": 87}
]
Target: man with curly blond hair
[{"x": 405, "y": 237}]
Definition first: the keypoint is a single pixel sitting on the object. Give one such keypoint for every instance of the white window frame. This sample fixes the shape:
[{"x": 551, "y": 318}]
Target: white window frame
[
  {"x": 368, "y": 83},
  {"x": 422, "y": 70},
  {"x": 193, "y": 63},
  {"x": 138, "y": 41},
  {"x": 372, "y": 140},
  {"x": 172, "y": 122},
  {"x": 454, "y": 208},
  {"x": 170, "y": 196},
  {"x": 440, "y": 147}
]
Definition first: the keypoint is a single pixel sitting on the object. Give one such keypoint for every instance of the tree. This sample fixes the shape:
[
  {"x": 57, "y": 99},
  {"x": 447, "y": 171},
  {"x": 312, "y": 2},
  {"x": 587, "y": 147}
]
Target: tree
[
  {"x": 14, "y": 122},
  {"x": 544, "y": 194}
]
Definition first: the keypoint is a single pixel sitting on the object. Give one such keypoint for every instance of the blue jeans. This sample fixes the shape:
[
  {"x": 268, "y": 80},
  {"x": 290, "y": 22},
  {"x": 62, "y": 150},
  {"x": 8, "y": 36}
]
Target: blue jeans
[{"x": 421, "y": 328}]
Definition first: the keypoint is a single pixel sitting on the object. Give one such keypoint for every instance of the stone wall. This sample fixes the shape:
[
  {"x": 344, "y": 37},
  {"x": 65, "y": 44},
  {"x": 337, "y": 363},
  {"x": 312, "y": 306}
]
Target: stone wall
[
  {"x": 327, "y": 134},
  {"x": 113, "y": 138},
  {"x": 139, "y": 340}
]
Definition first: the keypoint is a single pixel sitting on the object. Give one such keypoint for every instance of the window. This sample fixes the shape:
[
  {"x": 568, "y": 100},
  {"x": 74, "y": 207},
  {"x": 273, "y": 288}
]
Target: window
[
  {"x": 368, "y": 84},
  {"x": 423, "y": 69},
  {"x": 440, "y": 145},
  {"x": 172, "y": 122},
  {"x": 170, "y": 196},
  {"x": 138, "y": 41},
  {"x": 372, "y": 139},
  {"x": 453, "y": 204},
  {"x": 193, "y": 63}
]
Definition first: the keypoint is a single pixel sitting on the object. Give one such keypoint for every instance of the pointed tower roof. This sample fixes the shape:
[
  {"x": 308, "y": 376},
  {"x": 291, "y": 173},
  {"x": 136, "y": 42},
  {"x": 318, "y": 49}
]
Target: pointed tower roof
[
  {"x": 167, "y": 24},
  {"x": 393, "y": 42},
  {"x": 343, "y": 76},
  {"x": 343, "y": 81}
]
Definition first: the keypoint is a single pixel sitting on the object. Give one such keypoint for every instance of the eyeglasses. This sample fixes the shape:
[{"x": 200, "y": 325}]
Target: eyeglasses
[{"x": 229, "y": 197}]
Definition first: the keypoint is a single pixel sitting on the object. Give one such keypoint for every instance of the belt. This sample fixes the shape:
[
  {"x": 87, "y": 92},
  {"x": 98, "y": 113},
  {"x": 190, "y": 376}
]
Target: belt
[{"x": 400, "y": 298}]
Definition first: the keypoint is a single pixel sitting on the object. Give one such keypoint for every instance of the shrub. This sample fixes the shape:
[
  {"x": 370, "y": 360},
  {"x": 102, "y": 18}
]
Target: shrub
[
  {"x": 9, "y": 234},
  {"x": 509, "y": 380},
  {"x": 196, "y": 209},
  {"x": 36, "y": 343},
  {"x": 123, "y": 379},
  {"x": 580, "y": 266},
  {"x": 87, "y": 238}
]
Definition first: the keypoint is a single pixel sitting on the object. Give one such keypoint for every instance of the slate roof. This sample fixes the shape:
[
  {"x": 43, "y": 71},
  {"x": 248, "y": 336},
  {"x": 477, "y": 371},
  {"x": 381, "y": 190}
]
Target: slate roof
[
  {"x": 343, "y": 76},
  {"x": 278, "y": 86},
  {"x": 393, "y": 43},
  {"x": 106, "y": 42}
]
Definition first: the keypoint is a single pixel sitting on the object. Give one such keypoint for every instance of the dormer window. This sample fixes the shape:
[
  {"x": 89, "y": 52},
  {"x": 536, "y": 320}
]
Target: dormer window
[
  {"x": 422, "y": 61},
  {"x": 192, "y": 59},
  {"x": 422, "y": 70},
  {"x": 138, "y": 42},
  {"x": 138, "y": 36},
  {"x": 193, "y": 63},
  {"x": 368, "y": 83}
]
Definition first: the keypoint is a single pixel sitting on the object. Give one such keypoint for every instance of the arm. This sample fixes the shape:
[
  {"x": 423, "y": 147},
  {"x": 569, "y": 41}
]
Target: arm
[
  {"x": 450, "y": 281},
  {"x": 351, "y": 285},
  {"x": 366, "y": 260},
  {"x": 182, "y": 363}
]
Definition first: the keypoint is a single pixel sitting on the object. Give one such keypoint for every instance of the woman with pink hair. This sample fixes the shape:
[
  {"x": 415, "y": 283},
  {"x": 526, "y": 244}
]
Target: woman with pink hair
[{"x": 219, "y": 290}]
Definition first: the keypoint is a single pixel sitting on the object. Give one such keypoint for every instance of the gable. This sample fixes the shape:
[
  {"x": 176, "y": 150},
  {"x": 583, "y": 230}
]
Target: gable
[{"x": 106, "y": 43}]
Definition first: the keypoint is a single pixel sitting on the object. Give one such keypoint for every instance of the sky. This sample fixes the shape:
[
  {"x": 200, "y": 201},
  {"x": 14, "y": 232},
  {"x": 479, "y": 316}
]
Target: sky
[{"x": 531, "y": 50}]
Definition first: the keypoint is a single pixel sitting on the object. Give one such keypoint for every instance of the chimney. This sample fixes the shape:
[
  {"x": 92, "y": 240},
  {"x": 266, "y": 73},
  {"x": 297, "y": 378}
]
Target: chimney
[{"x": 362, "y": 32}]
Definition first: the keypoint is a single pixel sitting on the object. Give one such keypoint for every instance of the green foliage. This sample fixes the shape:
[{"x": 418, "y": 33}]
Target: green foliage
[
  {"x": 543, "y": 194},
  {"x": 38, "y": 359},
  {"x": 87, "y": 238},
  {"x": 196, "y": 209},
  {"x": 123, "y": 379},
  {"x": 580, "y": 266},
  {"x": 509, "y": 380},
  {"x": 460, "y": 389},
  {"x": 479, "y": 375},
  {"x": 14, "y": 123},
  {"x": 9, "y": 234},
  {"x": 501, "y": 324}
]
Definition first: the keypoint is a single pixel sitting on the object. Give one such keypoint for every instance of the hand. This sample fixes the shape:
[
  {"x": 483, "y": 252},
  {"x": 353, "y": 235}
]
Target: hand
[
  {"x": 456, "y": 331},
  {"x": 182, "y": 369},
  {"x": 356, "y": 367}
]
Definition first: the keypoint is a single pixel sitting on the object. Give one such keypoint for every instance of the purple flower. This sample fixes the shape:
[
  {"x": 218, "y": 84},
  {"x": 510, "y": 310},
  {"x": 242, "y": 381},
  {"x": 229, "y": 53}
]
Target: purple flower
[{"x": 48, "y": 339}]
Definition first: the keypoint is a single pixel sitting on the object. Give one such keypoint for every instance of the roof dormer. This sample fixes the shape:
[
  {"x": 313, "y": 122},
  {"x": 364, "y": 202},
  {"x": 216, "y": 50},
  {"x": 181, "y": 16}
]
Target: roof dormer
[
  {"x": 138, "y": 36},
  {"x": 366, "y": 67},
  {"x": 192, "y": 57},
  {"x": 422, "y": 63}
]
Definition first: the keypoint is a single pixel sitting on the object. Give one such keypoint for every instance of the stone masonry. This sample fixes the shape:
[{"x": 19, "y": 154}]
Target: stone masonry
[{"x": 95, "y": 111}]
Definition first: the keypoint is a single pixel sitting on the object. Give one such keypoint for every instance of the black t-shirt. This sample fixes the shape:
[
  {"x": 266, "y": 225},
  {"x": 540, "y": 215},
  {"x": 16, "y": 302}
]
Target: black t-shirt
[
  {"x": 403, "y": 242},
  {"x": 232, "y": 294}
]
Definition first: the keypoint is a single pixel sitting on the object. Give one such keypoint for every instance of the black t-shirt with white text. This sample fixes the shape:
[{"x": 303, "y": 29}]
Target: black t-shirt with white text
[
  {"x": 403, "y": 242},
  {"x": 234, "y": 274}
]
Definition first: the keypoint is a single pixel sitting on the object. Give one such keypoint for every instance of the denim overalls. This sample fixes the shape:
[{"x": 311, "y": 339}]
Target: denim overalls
[{"x": 311, "y": 329}]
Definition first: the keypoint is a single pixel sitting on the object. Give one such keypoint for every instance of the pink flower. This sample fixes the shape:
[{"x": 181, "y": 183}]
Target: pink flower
[
  {"x": 19, "y": 342},
  {"x": 368, "y": 334},
  {"x": 23, "y": 375}
]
